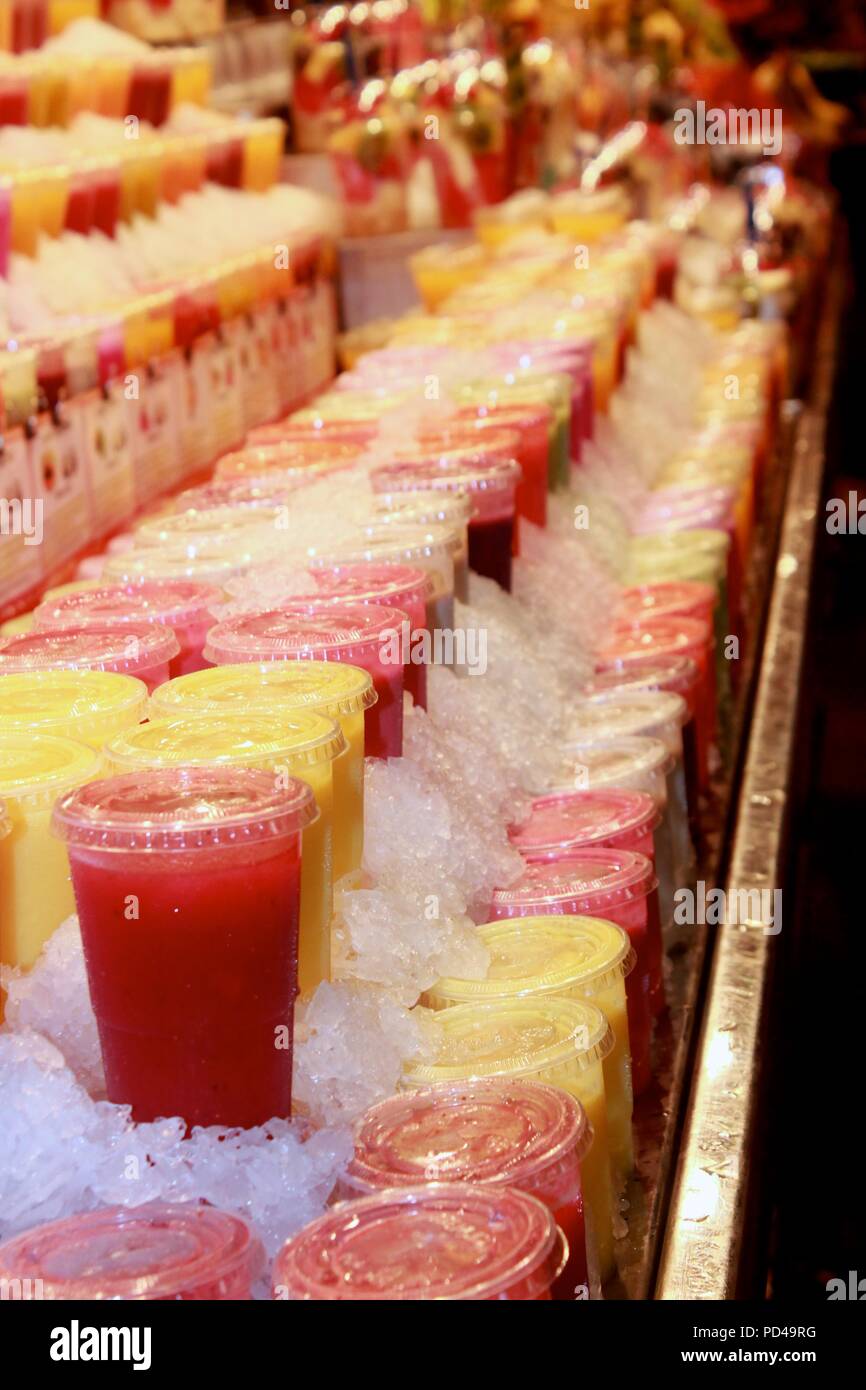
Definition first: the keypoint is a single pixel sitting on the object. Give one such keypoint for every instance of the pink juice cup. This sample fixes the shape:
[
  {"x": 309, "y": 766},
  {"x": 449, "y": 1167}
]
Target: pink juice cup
[
  {"x": 513, "y": 1133},
  {"x": 159, "y": 1251},
  {"x": 670, "y": 637},
  {"x": 395, "y": 586},
  {"x": 490, "y": 480},
  {"x": 449, "y": 1241},
  {"x": 195, "y": 1017},
  {"x": 692, "y": 512},
  {"x": 677, "y": 599},
  {"x": 368, "y": 635},
  {"x": 562, "y": 824},
  {"x": 189, "y": 609},
  {"x": 617, "y": 885}
]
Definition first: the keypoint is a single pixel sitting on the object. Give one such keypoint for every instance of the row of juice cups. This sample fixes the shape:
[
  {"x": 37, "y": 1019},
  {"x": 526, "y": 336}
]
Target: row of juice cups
[
  {"x": 492, "y": 1167},
  {"x": 95, "y": 192}
]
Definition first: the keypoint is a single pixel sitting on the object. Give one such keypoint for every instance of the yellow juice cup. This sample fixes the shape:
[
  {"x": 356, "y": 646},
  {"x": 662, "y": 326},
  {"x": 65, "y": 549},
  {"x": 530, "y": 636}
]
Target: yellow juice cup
[
  {"x": 39, "y": 199},
  {"x": 440, "y": 270},
  {"x": 274, "y": 688},
  {"x": 586, "y": 215},
  {"x": 63, "y": 12},
  {"x": 35, "y": 888},
  {"x": 304, "y": 745},
  {"x": 111, "y": 84},
  {"x": 263, "y": 150},
  {"x": 89, "y": 706},
  {"x": 561, "y": 1041},
  {"x": 579, "y": 958}
]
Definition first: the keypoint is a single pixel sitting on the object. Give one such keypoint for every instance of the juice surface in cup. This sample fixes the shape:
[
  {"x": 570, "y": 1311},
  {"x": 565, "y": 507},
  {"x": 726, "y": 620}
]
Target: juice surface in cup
[
  {"x": 155, "y": 1251},
  {"x": 344, "y": 693},
  {"x": 188, "y": 609},
  {"x": 577, "y": 958},
  {"x": 511, "y": 1133},
  {"x": 559, "y": 1041},
  {"x": 35, "y": 890},
  {"x": 442, "y": 1241},
  {"x": 187, "y": 887},
  {"x": 89, "y": 706},
  {"x": 145, "y": 652},
  {"x": 365, "y": 635},
  {"x": 617, "y": 885},
  {"x": 303, "y": 743}
]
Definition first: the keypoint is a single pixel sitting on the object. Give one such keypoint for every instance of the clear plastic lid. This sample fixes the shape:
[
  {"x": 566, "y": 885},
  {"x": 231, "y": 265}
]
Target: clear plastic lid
[
  {"x": 303, "y": 738},
  {"x": 160, "y": 1250},
  {"x": 168, "y": 809},
  {"x": 570, "y": 820},
  {"x": 497, "y": 1130},
  {"x": 49, "y": 701},
  {"x": 674, "y": 672},
  {"x": 705, "y": 540},
  {"x": 657, "y": 636},
  {"x": 326, "y": 631},
  {"x": 621, "y": 762},
  {"x": 214, "y": 526},
  {"x": 129, "y": 651},
  {"x": 452, "y": 1241},
  {"x": 389, "y": 582},
  {"x": 210, "y": 565},
  {"x": 35, "y": 767},
  {"x": 621, "y": 714},
  {"x": 547, "y": 954},
  {"x": 177, "y": 604},
  {"x": 456, "y": 434},
  {"x": 452, "y": 509},
  {"x": 287, "y": 456},
  {"x": 317, "y": 429},
  {"x": 514, "y": 1037},
  {"x": 510, "y": 415},
  {"x": 332, "y": 686},
  {"x": 429, "y": 546},
  {"x": 592, "y": 882},
  {"x": 674, "y": 598},
  {"x": 251, "y": 494},
  {"x": 490, "y": 484}
]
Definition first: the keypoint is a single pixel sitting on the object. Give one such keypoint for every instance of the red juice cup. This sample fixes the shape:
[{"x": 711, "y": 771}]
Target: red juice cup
[
  {"x": 195, "y": 1016},
  {"x": 395, "y": 586},
  {"x": 668, "y": 637},
  {"x": 490, "y": 480},
  {"x": 448, "y": 1241},
  {"x": 617, "y": 885},
  {"x": 511, "y": 1133},
  {"x": 144, "y": 651},
  {"x": 188, "y": 608},
  {"x": 685, "y": 598},
  {"x": 560, "y": 825},
  {"x": 159, "y": 1252},
  {"x": 368, "y": 635}
]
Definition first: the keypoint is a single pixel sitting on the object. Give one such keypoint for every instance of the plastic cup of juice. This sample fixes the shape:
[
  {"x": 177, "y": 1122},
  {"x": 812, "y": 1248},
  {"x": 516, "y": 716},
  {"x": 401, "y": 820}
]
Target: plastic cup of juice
[
  {"x": 587, "y": 215},
  {"x": 187, "y": 608},
  {"x": 563, "y": 358},
  {"x": 561, "y": 824},
  {"x": 89, "y": 706},
  {"x": 209, "y": 565},
  {"x": 354, "y": 433},
  {"x": 159, "y": 1251},
  {"x": 368, "y": 635},
  {"x": 293, "y": 456},
  {"x": 488, "y": 476},
  {"x": 506, "y": 1133},
  {"x": 533, "y": 424},
  {"x": 400, "y": 532},
  {"x": 341, "y": 692},
  {"x": 194, "y": 1015},
  {"x": 394, "y": 586},
  {"x": 440, "y": 270},
  {"x": 617, "y": 885},
  {"x": 578, "y": 958},
  {"x": 518, "y": 388},
  {"x": 216, "y": 526},
  {"x": 664, "y": 637},
  {"x": 35, "y": 891},
  {"x": 301, "y": 744},
  {"x": 559, "y": 1041},
  {"x": 443, "y": 1241},
  {"x": 145, "y": 652}
]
